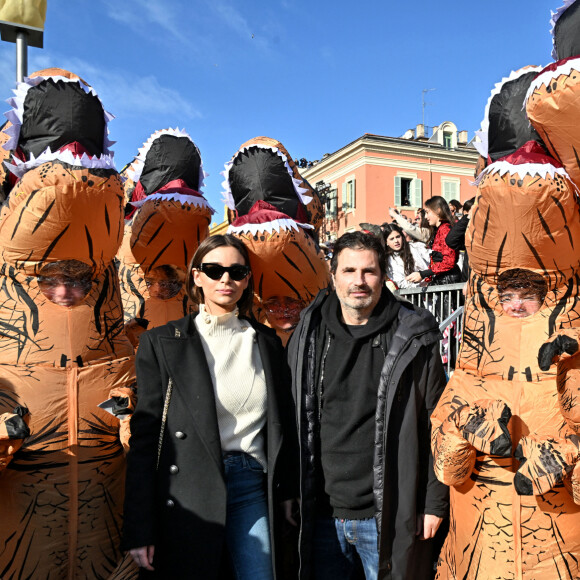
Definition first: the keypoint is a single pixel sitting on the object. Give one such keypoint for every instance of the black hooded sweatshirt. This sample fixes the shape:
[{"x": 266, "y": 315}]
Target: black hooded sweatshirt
[{"x": 349, "y": 375}]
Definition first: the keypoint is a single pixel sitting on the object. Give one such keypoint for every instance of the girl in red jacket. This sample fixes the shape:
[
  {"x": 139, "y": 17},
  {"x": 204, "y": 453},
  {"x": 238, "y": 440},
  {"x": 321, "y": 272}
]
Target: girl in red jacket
[{"x": 443, "y": 267}]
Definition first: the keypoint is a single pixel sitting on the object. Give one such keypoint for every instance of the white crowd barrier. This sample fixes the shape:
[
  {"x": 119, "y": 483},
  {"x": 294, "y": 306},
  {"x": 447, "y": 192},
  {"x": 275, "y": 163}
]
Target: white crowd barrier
[{"x": 445, "y": 302}]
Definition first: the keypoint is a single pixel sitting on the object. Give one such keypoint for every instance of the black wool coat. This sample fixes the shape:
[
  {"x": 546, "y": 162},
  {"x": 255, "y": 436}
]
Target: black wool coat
[{"x": 180, "y": 507}]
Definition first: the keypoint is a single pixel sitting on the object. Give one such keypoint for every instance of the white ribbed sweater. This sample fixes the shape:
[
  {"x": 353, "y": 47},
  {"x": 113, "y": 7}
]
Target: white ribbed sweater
[{"x": 237, "y": 373}]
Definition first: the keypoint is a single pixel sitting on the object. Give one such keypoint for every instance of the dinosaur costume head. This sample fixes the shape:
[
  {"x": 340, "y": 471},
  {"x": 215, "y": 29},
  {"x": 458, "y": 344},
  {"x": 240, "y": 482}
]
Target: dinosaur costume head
[
  {"x": 552, "y": 102},
  {"x": 262, "y": 170},
  {"x": 171, "y": 219},
  {"x": 288, "y": 267},
  {"x": 505, "y": 128}
]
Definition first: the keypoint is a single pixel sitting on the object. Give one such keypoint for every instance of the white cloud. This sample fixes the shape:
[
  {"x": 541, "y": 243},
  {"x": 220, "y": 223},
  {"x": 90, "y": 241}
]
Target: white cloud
[
  {"x": 124, "y": 93},
  {"x": 165, "y": 15},
  {"x": 233, "y": 19}
]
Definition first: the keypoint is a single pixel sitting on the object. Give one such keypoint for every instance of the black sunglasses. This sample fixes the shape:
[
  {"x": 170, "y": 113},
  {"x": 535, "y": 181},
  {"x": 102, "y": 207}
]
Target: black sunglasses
[{"x": 237, "y": 272}]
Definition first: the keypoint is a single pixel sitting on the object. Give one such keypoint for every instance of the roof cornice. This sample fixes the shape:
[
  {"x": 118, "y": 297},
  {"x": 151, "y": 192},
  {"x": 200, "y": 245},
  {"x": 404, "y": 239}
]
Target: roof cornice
[{"x": 369, "y": 143}]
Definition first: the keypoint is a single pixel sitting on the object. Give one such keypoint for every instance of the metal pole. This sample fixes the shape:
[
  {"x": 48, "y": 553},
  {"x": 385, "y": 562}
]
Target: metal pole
[{"x": 21, "y": 55}]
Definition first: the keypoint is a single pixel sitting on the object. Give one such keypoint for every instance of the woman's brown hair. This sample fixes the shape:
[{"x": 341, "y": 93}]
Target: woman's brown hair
[
  {"x": 439, "y": 206},
  {"x": 195, "y": 293}
]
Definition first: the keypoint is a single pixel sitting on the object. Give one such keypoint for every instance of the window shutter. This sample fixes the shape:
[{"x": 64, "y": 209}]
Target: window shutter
[
  {"x": 397, "y": 191},
  {"x": 352, "y": 200},
  {"x": 344, "y": 196},
  {"x": 417, "y": 193}
]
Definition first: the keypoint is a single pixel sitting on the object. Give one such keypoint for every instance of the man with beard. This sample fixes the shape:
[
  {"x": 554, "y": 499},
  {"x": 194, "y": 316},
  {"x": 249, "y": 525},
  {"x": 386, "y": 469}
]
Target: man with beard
[{"x": 366, "y": 376}]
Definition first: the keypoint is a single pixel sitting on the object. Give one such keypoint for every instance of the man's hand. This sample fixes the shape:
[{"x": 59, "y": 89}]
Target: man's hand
[
  {"x": 291, "y": 507},
  {"x": 143, "y": 557},
  {"x": 427, "y": 526}
]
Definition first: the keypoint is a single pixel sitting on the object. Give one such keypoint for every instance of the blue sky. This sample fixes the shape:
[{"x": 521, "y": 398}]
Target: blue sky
[{"x": 315, "y": 75}]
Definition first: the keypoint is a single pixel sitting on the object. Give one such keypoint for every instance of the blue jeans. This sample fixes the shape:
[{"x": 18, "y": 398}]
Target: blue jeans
[
  {"x": 344, "y": 548},
  {"x": 247, "y": 529}
]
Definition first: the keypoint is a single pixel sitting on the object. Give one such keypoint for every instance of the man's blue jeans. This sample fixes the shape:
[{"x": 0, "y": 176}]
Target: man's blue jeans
[
  {"x": 342, "y": 547},
  {"x": 247, "y": 529}
]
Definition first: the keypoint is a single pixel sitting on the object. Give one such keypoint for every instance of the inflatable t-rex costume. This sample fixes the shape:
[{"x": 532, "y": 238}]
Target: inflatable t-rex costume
[
  {"x": 500, "y": 435},
  {"x": 272, "y": 202},
  {"x": 61, "y": 458},
  {"x": 171, "y": 220}
]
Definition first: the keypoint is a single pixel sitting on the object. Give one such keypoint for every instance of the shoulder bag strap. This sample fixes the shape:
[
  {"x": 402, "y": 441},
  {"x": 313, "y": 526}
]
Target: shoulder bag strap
[{"x": 165, "y": 409}]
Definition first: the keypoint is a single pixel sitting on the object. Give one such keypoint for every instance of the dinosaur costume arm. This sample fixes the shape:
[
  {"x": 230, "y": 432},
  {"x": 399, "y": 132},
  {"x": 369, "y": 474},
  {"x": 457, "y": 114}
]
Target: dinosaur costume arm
[{"x": 467, "y": 428}]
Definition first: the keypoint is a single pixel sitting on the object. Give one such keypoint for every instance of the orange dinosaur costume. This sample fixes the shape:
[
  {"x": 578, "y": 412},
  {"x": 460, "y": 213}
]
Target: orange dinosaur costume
[
  {"x": 275, "y": 207},
  {"x": 500, "y": 437},
  {"x": 61, "y": 458},
  {"x": 170, "y": 221}
]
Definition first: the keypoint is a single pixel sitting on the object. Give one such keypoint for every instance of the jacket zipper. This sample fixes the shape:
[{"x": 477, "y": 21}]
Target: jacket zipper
[{"x": 321, "y": 381}]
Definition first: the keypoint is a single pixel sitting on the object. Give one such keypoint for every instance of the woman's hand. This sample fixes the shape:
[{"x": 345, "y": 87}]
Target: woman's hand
[
  {"x": 393, "y": 213},
  {"x": 288, "y": 507},
  {"x": 414, "y": 277},
  {"x": 427, "y": 526},
  {"x": 143, "y": 557}
]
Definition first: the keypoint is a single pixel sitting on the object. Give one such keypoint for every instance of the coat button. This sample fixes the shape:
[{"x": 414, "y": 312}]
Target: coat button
[
  {"x": 169, "y": 503},
  {"x": 180, "y": 434},
  {"x": 173, "y": 469}
]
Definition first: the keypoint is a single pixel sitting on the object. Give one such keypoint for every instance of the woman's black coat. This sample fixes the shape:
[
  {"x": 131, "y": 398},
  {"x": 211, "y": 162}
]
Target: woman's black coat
[{"x": 180, "y": 507}]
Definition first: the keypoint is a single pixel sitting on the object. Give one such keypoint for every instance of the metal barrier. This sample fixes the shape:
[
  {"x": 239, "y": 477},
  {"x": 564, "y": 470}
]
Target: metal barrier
[{"x": 445, "y": 302}]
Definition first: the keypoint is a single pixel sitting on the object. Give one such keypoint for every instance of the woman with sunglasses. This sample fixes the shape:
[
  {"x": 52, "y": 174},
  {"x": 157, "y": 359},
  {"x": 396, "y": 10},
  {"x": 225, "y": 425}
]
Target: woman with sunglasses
[{"x": 202, "y": 499}]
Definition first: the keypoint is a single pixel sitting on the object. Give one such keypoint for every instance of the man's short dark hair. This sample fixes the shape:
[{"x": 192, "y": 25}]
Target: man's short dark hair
[
  {"x": 532, "y": 283},
  {"x": 359, "y": 241}
]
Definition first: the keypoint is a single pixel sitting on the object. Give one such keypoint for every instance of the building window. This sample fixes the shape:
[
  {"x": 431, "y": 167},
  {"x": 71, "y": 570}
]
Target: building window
[
  {"x": 332, "y": 204},
  {"x": 450, "y": 189},
  {"x": 348, "y": 195},
  {"x": 447, "y": 140},
  {"x": 408, "y": 192}
]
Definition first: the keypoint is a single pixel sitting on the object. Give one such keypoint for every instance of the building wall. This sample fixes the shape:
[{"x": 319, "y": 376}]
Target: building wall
[{"x": 376, "y": 163}]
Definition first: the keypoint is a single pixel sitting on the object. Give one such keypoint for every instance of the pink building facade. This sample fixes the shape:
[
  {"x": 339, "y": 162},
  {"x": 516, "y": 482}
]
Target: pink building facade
[{"x": 366, "y": 177}]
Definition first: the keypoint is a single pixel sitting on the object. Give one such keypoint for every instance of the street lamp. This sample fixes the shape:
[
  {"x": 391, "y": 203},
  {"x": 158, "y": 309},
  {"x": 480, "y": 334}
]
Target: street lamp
[
  {"x": 323, "y": 189},
  {"x": 22, "y": 22}
]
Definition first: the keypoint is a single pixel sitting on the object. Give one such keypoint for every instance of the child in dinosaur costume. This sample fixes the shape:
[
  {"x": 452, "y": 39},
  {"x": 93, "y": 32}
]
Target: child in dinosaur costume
[
  {"x": 288, "y": 266},
  {"x": 161, "y": 236},
  {"x": 500, "y": 437},
  {"x": 62, "y": 347}
]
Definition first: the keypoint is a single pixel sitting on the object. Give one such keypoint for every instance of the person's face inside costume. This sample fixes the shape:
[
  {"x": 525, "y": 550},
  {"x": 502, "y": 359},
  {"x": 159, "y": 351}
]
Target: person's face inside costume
[
  {"x": 395, "y": 241},
  {"x": 519, "y": 303},
  {"x": 222, "y": 289},
  {"x": 358, "y": 281},
  {"x": 65, "y": 283},
  {"x": 164, "y": 282},
  {"x": 283, "y": 312}
]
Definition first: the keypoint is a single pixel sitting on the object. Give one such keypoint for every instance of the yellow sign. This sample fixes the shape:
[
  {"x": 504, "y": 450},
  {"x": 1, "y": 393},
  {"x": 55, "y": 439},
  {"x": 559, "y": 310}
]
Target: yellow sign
[{"x": 27, "y": 13}]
